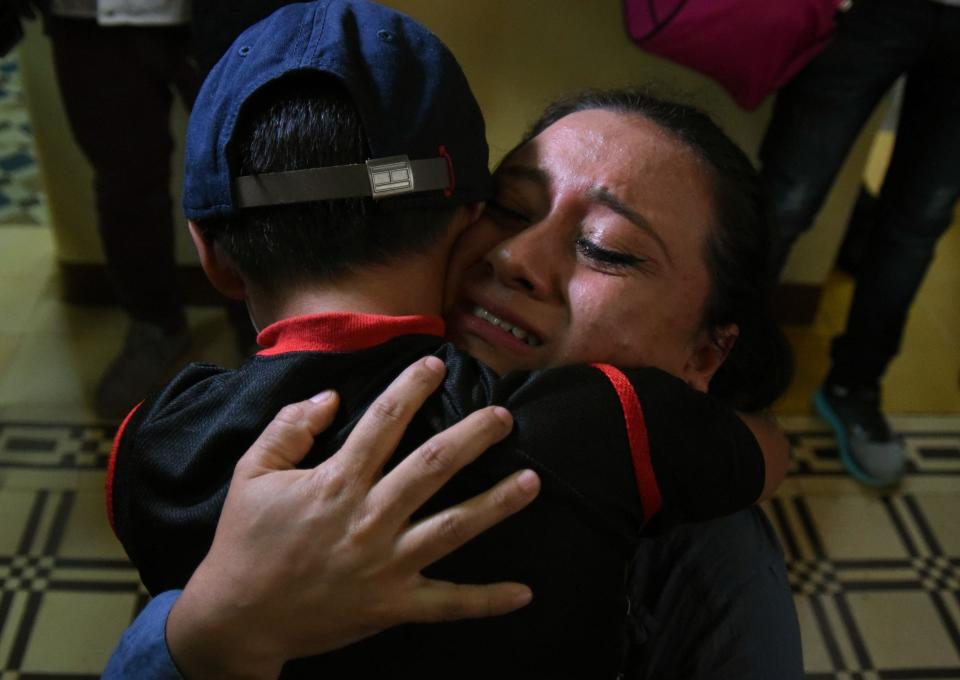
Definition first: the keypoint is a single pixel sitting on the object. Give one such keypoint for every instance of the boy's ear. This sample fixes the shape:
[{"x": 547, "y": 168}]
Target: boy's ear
[
  {"x": 217, "y": 265},
  {"x": 474, "y": 210},
  {"x": 466, "y": 215},
  {"x": 708, "y": 355}
]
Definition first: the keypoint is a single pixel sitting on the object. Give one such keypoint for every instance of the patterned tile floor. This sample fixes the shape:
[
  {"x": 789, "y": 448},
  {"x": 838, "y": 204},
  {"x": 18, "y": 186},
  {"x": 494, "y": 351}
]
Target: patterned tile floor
[
  {"x": 876, "y": 577},
  {"x": 68, "y": 591}
]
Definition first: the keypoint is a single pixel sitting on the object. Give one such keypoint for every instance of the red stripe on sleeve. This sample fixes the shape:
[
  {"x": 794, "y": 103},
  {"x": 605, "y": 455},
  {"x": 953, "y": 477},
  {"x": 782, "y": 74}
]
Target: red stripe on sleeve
[
  {"x": 112, "y": 466},
  {"x": 637, "y": 436}
]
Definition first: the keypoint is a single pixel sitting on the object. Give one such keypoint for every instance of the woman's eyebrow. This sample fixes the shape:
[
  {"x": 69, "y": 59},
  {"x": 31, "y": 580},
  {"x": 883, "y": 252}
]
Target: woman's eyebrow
[{"x": 604, "y": 197}]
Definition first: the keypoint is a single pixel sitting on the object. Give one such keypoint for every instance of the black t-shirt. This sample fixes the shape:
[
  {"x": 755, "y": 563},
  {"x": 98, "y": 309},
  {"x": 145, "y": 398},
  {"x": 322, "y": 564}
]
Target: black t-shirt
[
  {"x": 711, "y": 601},
  {"x": 613, "y": 449}
]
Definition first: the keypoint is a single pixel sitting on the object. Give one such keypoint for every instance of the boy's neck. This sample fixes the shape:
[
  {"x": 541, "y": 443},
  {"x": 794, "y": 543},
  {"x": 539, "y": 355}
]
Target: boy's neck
[{"x": 411, "y": 287}]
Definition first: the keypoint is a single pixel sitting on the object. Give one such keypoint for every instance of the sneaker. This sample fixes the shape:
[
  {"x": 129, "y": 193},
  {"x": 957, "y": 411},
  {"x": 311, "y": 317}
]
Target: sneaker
[
  {"x": 148, "y": 354},
  {"x": 868, "y": 449}
]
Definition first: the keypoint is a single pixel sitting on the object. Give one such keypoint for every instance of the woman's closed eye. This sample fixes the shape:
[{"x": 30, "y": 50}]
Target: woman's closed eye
[{"x": 605, "y": 259}]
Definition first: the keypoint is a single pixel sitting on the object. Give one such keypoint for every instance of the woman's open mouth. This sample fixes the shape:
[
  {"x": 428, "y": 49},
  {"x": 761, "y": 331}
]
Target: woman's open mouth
[
  {"x": 517, "y": 332},
  {"x": 495, "y": 326}
]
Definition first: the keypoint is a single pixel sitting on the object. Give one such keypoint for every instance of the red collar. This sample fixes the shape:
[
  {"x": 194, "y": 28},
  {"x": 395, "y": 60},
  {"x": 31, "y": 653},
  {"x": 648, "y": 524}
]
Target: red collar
[{"x": 341, "y": 332}]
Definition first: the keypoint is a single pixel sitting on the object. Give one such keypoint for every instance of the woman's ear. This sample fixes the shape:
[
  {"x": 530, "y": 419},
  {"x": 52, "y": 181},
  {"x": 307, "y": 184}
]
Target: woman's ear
[
  {"x": 709, "y": 353},
  {"x": 217, "y": 265}
]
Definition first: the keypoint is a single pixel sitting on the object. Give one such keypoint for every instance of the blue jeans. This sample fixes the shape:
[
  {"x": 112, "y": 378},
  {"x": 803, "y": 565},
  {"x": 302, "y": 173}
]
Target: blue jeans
[{"x": 816, "y": 120}]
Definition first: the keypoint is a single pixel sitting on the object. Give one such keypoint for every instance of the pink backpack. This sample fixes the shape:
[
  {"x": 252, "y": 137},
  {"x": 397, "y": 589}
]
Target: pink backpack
[{"x": 751, "y": 47}]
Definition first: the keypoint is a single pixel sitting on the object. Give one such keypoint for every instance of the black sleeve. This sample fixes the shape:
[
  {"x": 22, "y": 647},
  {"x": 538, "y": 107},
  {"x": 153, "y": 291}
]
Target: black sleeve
[
  {"x": 706, "y": 461},
  {"x": 169, "y": 478},
  {"x": 637, "y": 443},
  {"x": 574, "y": 543}
]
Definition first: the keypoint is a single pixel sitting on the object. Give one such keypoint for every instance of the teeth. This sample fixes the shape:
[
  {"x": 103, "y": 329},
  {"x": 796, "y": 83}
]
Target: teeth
[{"x": 518, "y": 333}]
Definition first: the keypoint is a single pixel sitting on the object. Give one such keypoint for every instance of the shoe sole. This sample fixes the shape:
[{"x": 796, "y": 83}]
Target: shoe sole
[{"x": 823, "y": 408}]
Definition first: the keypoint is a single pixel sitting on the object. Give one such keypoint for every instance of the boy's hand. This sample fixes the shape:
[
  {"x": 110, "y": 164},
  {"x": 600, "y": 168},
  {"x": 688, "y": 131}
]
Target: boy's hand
[{"x": 305, "y": 561}]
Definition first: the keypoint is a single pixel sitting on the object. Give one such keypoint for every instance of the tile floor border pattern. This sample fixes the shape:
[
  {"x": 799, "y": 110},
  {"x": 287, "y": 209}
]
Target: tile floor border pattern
[
  {"x": 932, "y": 452},
  {"x": 842, "y": 582},
  {"x": 49, "y": 446}
]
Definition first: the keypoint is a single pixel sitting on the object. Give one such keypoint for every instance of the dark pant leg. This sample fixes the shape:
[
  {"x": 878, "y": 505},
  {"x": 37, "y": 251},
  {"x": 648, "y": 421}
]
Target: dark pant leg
[
  {"x": 916, "y": 206},
  {"x": 116, "y": 85},
  {"x": 818, "y": 116}
]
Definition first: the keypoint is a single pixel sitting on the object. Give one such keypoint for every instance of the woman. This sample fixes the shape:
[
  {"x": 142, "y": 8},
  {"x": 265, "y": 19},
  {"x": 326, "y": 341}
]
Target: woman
[
  {"x": 655, "y": 245},
  {"x": 631, "y": 234},
  {"x": 658, "y": 257}
]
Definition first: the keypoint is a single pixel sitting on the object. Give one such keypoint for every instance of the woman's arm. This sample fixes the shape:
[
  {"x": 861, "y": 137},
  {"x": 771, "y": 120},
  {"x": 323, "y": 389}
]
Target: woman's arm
[
  {"x": 775, "y": 447},
  {"x": 251, "y": 605}
]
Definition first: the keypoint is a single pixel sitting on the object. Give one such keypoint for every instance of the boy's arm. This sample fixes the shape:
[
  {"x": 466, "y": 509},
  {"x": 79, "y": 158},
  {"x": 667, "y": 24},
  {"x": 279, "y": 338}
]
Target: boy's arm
[
  {"x": 614, "y": 450},
  {"x": 640, "y": 443},
  {"x": 706, "y": 460},
  {"x": 166, "y": 480}
]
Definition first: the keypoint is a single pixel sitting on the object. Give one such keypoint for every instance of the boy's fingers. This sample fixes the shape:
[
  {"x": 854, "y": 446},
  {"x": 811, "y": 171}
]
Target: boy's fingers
[
  {"x": 380, "y": 429},
  {"x": 441, "y": 601},
  {"x": 423, "y": 472},
  {"x": 438, "y": 535},
  {"x": 290, "y": 435}
]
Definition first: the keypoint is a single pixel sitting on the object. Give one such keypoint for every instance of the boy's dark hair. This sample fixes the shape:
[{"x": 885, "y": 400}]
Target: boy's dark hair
[
  {"x": 759, "y": 367},
  {"x": 308, "y": 120}
]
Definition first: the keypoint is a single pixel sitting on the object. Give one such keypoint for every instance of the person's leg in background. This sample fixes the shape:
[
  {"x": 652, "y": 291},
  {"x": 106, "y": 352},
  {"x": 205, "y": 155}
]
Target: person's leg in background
[
  {"x": 859, "y": 226},
  {"x": 117, "y": 86},
  {"x": 915, "y": 208},
  {"x": 816, "y": 120},
  {"x": 818, "y": 115}
]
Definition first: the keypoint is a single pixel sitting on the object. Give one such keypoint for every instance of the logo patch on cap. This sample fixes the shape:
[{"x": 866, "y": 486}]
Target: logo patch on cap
[{"x": 390, "y": 176}]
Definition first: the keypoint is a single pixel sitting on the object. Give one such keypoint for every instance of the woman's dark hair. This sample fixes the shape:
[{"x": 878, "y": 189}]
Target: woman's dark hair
[
  {"x": 309, "y": 120},
  {"x": 759, "y": 366}
]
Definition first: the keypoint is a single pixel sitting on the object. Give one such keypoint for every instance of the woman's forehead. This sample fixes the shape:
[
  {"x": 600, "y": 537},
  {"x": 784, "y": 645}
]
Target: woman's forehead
[
  {"x": 601, "y": 145},
  {"x": 627, "y": 155}
]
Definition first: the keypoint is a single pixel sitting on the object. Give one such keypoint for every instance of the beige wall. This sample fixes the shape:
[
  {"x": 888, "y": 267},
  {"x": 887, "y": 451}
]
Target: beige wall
[{"x": 519, "y": 55}]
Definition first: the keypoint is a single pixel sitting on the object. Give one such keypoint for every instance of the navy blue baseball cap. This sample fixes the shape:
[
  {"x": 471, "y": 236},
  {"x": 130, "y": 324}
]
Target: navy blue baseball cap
[{"x": 423, "y": 125}]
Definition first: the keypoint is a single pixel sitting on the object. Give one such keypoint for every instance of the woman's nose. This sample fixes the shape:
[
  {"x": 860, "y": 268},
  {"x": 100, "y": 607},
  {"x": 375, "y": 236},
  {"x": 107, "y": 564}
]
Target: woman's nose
[{"x": 526, "y": 262}]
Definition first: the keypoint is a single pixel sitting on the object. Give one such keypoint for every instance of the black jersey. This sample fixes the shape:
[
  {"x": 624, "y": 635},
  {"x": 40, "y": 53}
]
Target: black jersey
[{"x": 613, "y": 450}]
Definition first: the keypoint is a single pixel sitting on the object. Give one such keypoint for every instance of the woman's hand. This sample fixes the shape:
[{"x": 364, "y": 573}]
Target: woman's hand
[{"x": 305, "y": 561}]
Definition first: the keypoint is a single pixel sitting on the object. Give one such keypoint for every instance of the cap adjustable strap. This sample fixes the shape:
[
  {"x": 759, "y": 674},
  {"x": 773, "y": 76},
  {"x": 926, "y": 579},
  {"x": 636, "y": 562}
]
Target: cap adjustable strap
[{"x": 379, "y": 178}]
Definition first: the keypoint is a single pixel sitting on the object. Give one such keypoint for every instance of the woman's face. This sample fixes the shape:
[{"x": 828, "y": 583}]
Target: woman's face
[{"x": 592, "y": 250}]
